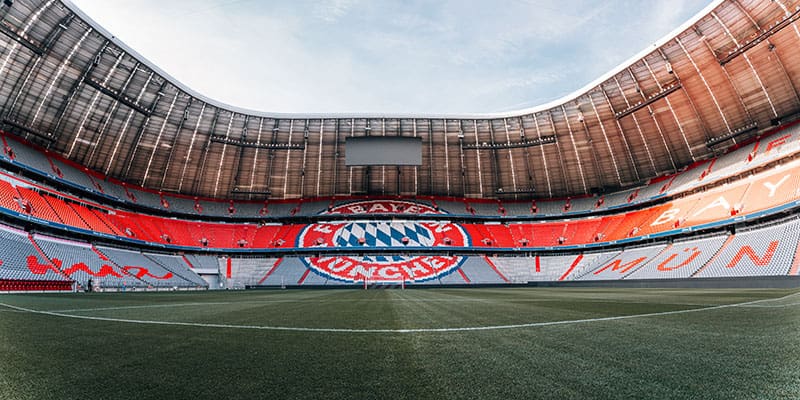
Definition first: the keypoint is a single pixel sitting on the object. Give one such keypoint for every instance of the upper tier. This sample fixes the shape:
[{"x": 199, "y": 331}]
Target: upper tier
[
  {"x": 780, "y": 143},
  {"x": 724, "y": 76},
  {"x": 346, "y": 227}
]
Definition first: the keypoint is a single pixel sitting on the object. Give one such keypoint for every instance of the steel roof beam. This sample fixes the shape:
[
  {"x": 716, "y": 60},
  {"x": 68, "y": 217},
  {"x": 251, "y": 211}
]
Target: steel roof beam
[
  {"x": 36, "y": 49},
  {"x": 495, "y": 162},
  {"x": 575, "y": 148},
  {"x": 240, "y": 154},
  {"x": 540, "y": 141},
  {"x": 624, "y": 138},
  {"x": 200, "y": 171},
  {"x": 275, "y": 130},
  {"x": 120, "y": 97},
  {"x": 109, "y": 114},
  {"x": 605, "y": 138},
  {"x": 765, "y": 34},
  {"x": 478, "y": 156},
  {"x": 528, "y": 169},
  {"x": 174, "y": 144},
  {"x": 95, "y": 97},
  {"x": 567, "y": 183},
  {"x": 131, "y": 156},
  {"x": 544, "y": 157},
  {"x": 32, "y": 64},
  {"x": 110, "y": 163},
  {"x": 462, "y": 165},
  {"x": 638, "y": 127},
  {"x": 705, "y": 83},
  {"x": 187, "y": 159},
  {"x": 648, "y": 100}
]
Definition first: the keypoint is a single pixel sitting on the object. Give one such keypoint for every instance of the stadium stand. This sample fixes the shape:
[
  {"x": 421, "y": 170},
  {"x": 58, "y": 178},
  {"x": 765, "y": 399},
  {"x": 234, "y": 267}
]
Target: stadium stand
[
  {"x": 485, "y": 208},
  {"x": 760, "y": 190},
  {"x": 24, "y": 267},
  {"x": 531, "y": 269},
  {"x": 308, "y": 208},
  {"x": 287, "y": 272},
  {"x": 178, "y": 266},
  {"x": 312, "y": 278},
  {"x": 617, "y": 199},
  {"x": 518, "y": 208},
  {"x": 584, "y": 204},
  {"x": 453, "y": 278},
  {"x": 22, "y": 260},
  {"x": 203, "y": 262},
  {"x": 782, "y": 143},
  {"x": 480, "y": 270},
  {"x": 250, "y": 271},
  {"x": 759, "y": 252},
  {"x": 73, "y": 175},
  {"x": 681, "y": 259},
  {"x": 717, "y": 199},
  {"x": 80, "y": 263},
  {"x": 153, "y": 273},
  {"x": 516, "y": 269},
  {"x": 622, "y": 264}
]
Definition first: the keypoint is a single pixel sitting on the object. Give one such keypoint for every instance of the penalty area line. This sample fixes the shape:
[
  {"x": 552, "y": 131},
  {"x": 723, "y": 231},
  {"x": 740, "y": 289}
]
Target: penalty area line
[{"x": 392, "y": 331}]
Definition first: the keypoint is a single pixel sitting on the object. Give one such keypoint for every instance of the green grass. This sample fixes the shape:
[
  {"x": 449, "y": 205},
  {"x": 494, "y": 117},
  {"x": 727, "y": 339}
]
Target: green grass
[{"x": 744, "y": 352}]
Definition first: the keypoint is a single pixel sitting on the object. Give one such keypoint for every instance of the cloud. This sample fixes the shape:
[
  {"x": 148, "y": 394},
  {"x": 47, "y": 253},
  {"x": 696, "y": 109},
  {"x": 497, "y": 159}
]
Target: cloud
[
  {"x": 450, "y": 56},
  {"x": 332, "y": 10}
]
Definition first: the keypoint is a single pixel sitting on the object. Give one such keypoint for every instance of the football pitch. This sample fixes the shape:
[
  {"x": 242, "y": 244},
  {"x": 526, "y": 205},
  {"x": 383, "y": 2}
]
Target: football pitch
[{"x": 505, "y": 343}]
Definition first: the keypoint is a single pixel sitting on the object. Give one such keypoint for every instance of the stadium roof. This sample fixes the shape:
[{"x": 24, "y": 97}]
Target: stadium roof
[{"x": 730, "y": 72}]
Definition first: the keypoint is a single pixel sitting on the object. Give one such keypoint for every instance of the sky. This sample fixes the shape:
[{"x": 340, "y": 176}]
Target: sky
[{"x": 404, "y": 56}]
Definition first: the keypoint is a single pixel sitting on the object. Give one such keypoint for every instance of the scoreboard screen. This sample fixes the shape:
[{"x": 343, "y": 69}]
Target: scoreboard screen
[{"x": 383, "y": 150}]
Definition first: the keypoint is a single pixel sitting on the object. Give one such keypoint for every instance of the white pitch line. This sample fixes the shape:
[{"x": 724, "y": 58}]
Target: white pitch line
[
  {"x": 773, "y": 306},
  {"x": 72, "y": 310},
  {"x": 139, "y": 307},
  {"x": 412, "y": 330}
]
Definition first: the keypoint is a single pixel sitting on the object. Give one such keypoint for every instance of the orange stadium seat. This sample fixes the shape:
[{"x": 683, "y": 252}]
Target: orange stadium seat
[
  {"x": 65, "y": 212},
  {"x": 41, "y": 209},
  {"x": 91, "y": 219},
  {"x": 8, "y": 196}
]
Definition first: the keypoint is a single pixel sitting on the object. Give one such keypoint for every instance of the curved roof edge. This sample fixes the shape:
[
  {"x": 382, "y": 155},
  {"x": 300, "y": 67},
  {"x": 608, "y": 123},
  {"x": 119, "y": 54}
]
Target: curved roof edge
[{"x": 347, "y": 115}]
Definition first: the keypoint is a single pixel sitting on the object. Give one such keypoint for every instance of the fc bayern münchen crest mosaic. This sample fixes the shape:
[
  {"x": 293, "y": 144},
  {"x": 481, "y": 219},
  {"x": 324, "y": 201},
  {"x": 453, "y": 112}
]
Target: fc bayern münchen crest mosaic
[{"x": 382, "y": 234}]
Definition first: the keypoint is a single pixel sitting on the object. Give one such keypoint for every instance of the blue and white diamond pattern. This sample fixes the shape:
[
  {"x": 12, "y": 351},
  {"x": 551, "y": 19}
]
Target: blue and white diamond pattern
[{"x": 383, "y": 234}]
